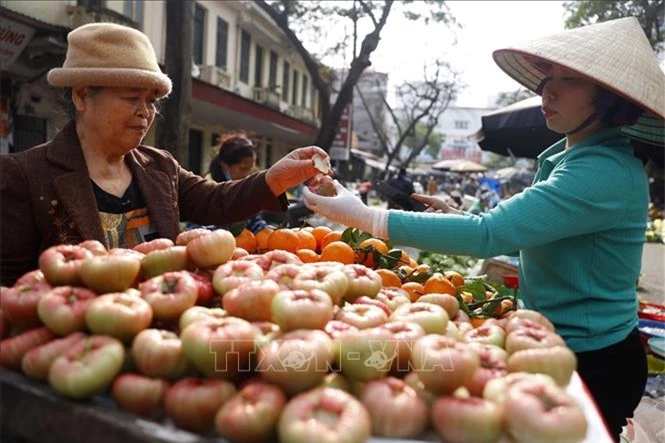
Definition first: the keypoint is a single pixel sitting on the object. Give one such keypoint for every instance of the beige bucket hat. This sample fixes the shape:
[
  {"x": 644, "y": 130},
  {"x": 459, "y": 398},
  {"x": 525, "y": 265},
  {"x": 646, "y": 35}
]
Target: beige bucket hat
[
  {"x": 615, "y": 54},
  {"x": 107, "y": 54}
]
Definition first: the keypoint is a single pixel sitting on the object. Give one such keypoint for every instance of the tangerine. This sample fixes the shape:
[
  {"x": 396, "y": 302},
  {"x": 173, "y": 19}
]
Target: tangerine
[
  {"x": 262, "y": 238},
  {"x": 455, "y": 277},
  {"x": 308, "y": 255},
  {"x": 389, "y": 278},
  {"x": 338, "y": 251},
  {"x": 438, "y": 283},
  {"x": 415, "y": 290},
  {"x": 329, "y": 238},
  {"x": 477, "y": 321},
  {"x": 406, "y": 270},
  {"x": 285, "y": 239},
  {"x": 404, "y": 259},
  {"x": 247, "y": 241},
  {"x": 306, "y": 240},
  {"x": 319, "y": 232},
  {"x": 366, "y": 249}
]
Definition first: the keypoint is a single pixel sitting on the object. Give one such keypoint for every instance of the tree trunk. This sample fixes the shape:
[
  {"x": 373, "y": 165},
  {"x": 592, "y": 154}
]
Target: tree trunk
[
  {"x": 173, "y": 129},
  {"x": 330, "y": 117}
]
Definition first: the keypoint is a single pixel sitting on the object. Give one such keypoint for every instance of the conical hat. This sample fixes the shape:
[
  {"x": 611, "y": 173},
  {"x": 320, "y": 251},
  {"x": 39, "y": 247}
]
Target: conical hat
[
  {"x": 649, "y": 129},
  {"x": 615, "y": 54}
]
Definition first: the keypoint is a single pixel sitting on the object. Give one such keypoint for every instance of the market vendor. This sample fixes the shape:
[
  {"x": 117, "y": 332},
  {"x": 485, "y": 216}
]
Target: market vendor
[
  {"x": 580, "y": 227},
  {"x": 95, "y": 180}
]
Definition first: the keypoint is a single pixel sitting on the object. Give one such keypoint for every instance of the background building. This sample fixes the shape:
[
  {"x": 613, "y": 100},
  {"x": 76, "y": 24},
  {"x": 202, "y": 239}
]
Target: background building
[
  {"x": 374, "y": 89},
  {"x": 456, "y": 124},
  {"x": 245, "y": 73}
]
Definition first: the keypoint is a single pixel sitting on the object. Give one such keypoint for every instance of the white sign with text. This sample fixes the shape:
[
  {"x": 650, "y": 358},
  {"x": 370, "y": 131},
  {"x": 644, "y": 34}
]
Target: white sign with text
[{"x": 14, "y": 37}]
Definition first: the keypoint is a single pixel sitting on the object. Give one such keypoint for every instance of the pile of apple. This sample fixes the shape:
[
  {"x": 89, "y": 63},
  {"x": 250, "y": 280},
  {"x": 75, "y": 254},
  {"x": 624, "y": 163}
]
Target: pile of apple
[{"x": 292, "y": 351}]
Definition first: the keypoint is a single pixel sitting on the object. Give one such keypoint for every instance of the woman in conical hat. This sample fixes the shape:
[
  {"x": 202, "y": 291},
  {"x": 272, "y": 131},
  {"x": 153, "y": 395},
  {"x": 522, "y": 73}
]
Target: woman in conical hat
[{"x": 580, "y": 227}]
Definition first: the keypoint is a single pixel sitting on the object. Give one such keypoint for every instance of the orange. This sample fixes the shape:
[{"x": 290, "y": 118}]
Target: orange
[
  {"x": 455, "y": 277},
  {"x": 438, "y": 283},
  {"x": 247, "y": 241},
  {"x": 414, "y": 289},
  {"x": 338, "y": 251},
  {"x": 371, "y": 244},
  {"x": 407, "y": 270},
  {"x": 285, "y": 239},
  {"x": 306, "y": 240},
  {"x": 413, "y": 263},
  {"x": 422, "y": 268},
  {"x": 389, "y": 278},
  {"x": 319, "y": 232},
  {"x": 477, "y": 321},
  {"x": 308, "y": 256},
  {"x": 262, "y": 238},
  {"x": 330, "y": 237},
  {"x": 404, "y": 258}
]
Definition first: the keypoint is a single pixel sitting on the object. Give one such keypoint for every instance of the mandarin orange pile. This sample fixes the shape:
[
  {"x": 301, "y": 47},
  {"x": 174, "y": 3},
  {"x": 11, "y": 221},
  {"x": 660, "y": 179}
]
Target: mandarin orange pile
[{"x": 322, "y": 244}]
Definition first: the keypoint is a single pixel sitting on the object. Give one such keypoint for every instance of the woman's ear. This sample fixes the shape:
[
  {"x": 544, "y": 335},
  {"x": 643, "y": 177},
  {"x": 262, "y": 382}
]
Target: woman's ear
[{"x": 79, "y": 93}]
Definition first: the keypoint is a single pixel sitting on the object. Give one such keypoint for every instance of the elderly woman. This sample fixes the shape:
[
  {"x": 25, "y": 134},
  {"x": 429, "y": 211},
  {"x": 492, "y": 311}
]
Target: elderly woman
[
  {"x": 580, "y": 227},
  {"x": 95, "y": 180}
]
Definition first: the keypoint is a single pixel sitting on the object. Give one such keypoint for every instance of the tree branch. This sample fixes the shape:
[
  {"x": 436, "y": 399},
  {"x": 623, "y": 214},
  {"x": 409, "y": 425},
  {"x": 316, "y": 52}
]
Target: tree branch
[
  {"x": 383, "y": 138},
  {"x": 369, "y": 12},
  {"x": 358, "y": 65}
]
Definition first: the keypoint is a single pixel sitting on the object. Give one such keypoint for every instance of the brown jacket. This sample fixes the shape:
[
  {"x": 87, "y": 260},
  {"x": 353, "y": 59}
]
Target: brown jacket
[{"x": 46, "y": 198}]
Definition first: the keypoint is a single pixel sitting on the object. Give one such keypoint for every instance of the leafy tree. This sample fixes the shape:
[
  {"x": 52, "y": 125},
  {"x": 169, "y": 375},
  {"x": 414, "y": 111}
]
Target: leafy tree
[
  {"x": 650, "y": 14},
  {"x": 421, "y": 104},
  {"x": 432, "y": 144},
  {"x": 299, "y": 19},
  {"x": 508, "y": 98}
]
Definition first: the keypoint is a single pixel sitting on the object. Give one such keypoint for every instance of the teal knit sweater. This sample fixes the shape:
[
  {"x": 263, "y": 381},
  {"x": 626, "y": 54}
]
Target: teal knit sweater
[{"x": 580, "y": 232}]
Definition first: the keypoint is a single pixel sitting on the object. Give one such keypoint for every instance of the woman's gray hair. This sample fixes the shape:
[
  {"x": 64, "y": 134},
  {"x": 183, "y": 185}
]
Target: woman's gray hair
[{"x": 67, "y": 104}]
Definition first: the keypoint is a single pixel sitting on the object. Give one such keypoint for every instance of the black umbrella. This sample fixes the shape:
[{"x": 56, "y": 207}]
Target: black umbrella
[{"x": 519, "y": 129}]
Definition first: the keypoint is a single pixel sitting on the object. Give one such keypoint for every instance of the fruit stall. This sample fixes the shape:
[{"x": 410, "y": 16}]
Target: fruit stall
[
  {"x": 35, "y": 412},
  {"x": 292, "y": 335}
]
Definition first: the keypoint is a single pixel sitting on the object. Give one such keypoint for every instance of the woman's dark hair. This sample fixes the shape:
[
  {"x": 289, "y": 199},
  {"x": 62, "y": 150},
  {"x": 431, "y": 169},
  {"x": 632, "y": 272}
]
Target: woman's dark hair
[
  {"x": 233, "y": 148},
  {"x": 616, "y": 110}
]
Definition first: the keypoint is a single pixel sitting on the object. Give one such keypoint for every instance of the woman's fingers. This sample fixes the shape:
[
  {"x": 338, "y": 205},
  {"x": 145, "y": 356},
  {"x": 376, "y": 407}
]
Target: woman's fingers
[
  {"x": 427, "y": 199},
  {"x": 434, "y": 202}
]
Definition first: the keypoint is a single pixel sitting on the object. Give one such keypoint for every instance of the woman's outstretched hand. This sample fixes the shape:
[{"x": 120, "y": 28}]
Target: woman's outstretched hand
[
  {"x": 294, "y": 168},
  {"x": 435, "y": 204},
  {"x": 349, "y": 210},
  {"x": 336, "y": 207}
]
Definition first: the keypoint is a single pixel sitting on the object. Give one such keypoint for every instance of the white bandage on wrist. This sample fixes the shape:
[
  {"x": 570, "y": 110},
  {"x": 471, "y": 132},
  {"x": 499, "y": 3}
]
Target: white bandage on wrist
[{"x": 372, "y": 220}]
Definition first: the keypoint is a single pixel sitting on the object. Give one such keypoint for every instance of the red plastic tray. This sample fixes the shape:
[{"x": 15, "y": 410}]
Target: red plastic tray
[{"x": 651, "y": 311}]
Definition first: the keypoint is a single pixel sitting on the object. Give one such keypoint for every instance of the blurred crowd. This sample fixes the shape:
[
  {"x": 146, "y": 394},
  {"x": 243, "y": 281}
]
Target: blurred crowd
[{"x": 472, "y": 192}]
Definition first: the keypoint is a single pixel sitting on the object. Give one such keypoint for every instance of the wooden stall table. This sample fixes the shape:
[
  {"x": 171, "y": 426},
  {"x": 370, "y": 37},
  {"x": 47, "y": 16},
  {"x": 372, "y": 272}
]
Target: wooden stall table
[{"x": 32, "y": 411}]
